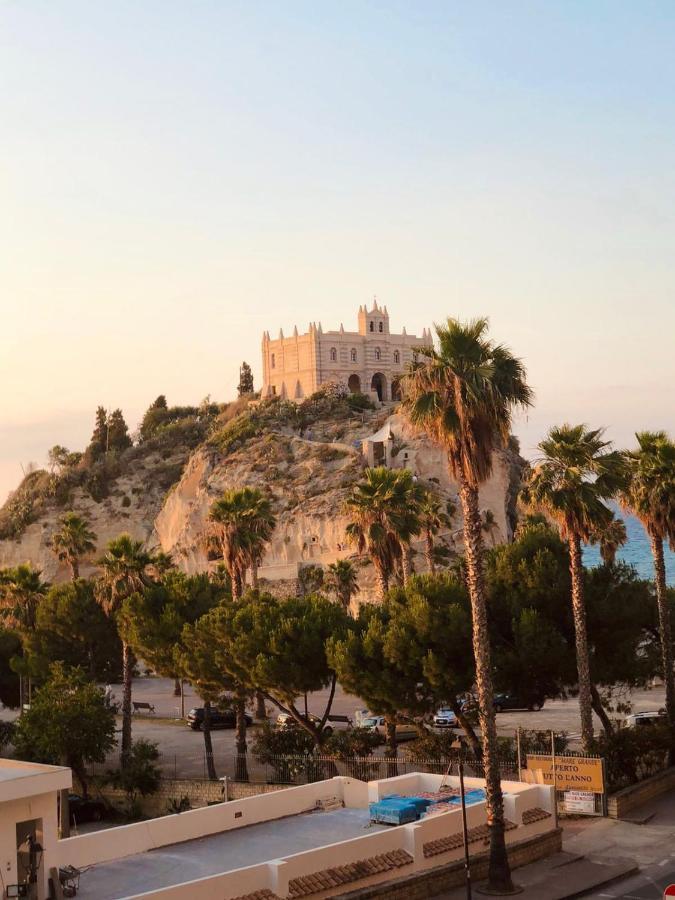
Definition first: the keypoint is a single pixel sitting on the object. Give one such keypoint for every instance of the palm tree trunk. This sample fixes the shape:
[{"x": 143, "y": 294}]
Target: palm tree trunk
[
  {"x": 391, "y": 746},
  {"x": 499, "y": 873},
  {"x": 260, "y": 711},
  {"x": 581, "y": 638},
  {"x": 665, "y": 633},
  {"x": 127, "y": 675},
  {"x": 240, "y": 737},
  {"x": 254, "y": 575},
  {"x": 75, "y": 567},
  {"x": 235, "y": 579},
  {"x": 208, "y": 743},
  {"x": 406, "y": 562},
  {"x": 429, "y": 551},
  {"x": 382, "y": 578},
  {"x": 176, "y": 687}
]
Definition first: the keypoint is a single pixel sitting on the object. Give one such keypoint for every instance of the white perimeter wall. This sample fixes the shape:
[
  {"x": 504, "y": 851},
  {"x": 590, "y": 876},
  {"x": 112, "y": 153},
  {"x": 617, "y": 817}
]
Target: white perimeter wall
[{"x": 275, "y": 875}]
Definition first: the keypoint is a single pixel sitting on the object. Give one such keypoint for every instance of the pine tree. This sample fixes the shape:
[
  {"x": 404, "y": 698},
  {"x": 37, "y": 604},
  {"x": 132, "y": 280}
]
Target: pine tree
[
  {"x": 245, "y": 380},
  {"x": 99, "y": 439},
  {"x": 118, "y": 433}
]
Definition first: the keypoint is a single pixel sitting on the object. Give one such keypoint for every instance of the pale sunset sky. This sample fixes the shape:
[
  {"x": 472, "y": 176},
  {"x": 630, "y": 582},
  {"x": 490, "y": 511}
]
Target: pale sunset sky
[{"x": 177, "y": 177}]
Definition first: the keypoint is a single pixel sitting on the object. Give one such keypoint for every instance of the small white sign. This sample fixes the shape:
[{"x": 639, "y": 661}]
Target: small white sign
[{"x": 580, "y": 802}]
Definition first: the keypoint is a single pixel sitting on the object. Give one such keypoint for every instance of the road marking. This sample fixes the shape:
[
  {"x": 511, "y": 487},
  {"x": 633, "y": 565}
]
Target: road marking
[{"x": 664, "y": 862}]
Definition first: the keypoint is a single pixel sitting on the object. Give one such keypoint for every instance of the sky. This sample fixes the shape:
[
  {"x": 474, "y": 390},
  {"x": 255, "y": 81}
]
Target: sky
[{"x": 177, "y": 177}]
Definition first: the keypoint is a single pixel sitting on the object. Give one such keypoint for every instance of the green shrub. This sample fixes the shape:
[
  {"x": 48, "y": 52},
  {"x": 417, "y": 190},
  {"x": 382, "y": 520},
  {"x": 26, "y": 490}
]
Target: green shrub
[{"x": 633, "y": 754}]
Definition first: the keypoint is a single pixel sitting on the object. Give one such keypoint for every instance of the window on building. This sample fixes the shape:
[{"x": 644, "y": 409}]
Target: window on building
[
  {"x": 378, "y": 353},
  {"x": 273, "y": 361},
  {"x": 372, "y": 326},
  {"x": 381, "y": 326},
  {"x": 333, "y": 354},
  {"x": 353, "y": 355},
  {"x": 397, "y": 357}
]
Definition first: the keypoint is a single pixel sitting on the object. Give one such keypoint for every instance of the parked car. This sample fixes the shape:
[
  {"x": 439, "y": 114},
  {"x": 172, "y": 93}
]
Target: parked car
[
  {"x": 220, "y": 718},
  {"x": 639, "y": 720},
  {"x": 333, "y": 723},
  {"x": 503, "y": 702},
  {"x": 445, "y": 718},
  {"x": 404, "y": 730},
  {"x": 83, "y": 809}
]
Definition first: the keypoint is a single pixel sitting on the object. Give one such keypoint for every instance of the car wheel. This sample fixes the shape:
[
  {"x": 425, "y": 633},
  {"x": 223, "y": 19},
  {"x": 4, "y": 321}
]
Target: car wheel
[
  {"x": 328, "y": 731},
  {"x": 498, "y": 707},
  {"x": 96, "y": 815},
  {"x": 535, "y": 707}
]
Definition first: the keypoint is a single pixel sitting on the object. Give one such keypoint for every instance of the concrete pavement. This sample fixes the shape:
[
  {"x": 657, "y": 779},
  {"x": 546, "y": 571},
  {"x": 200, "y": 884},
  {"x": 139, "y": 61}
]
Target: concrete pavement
[{"x": 604, "y": 858}]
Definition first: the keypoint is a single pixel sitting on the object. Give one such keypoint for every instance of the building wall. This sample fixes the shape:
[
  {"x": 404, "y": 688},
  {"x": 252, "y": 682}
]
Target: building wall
[
  {"x": 294, "y": 367},
  {"x": 42, "y": 807}
]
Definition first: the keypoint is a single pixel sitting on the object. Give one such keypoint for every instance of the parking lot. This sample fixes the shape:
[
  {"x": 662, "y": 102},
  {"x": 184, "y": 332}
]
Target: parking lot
[{"x": 183, "y": 749}]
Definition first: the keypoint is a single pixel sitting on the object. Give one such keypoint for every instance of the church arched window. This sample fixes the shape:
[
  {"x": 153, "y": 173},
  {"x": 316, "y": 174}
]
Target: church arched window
[
  {"x": 381, "y": 326},
  {"x": 333, "y": 354},
  {"x": 372, "y": 326},
  {"x": 378, "y": 353},
  {"x": 353, "y": 355},
  {"x": 397, "y": 357}
]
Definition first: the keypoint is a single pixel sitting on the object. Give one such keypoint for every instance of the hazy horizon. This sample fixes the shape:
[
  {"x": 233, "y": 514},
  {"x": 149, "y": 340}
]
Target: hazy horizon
[{"x": 175, "y": 180}]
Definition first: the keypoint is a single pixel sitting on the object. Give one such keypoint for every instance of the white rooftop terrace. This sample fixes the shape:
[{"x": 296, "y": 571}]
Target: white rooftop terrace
[{"x": 288, "y": 841}]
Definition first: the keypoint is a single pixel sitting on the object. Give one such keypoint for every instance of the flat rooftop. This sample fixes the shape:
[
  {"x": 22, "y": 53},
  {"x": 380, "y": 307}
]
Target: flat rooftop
[
  {"x": 217, "y": 853},
  {"x": 25, "y": 779}
]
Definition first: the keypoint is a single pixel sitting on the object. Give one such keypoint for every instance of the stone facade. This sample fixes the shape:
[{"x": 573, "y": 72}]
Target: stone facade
[{"x": 370, "y": 360}]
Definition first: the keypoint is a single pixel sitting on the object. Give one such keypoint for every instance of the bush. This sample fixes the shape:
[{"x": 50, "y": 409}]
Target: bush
[
  {"x": 140, "y": 777},
  {"x": 633, "y": 754}
]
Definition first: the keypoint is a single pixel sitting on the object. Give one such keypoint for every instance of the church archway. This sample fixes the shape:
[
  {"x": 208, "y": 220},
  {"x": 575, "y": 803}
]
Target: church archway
[
  {"x": 379, "y": 385},
  {"x": 396, "y": 389},
  {"x": 354, "y": 384}
]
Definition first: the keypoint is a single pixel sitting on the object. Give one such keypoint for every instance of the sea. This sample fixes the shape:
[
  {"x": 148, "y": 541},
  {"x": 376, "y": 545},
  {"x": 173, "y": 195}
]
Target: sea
[{"x": 636, "y": 551}]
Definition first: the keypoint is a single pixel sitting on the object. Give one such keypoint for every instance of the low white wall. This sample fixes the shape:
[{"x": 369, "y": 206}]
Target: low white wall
[
  {"x": 276, "y": 874},
  {"x": 216, "y": 887},
  {"x": 115, "y": 843}
]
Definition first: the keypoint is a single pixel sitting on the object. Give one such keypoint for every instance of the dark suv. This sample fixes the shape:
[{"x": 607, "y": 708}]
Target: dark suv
[
  {"x": 502, "y": 702},
  {"x": 220, "y": 718}
]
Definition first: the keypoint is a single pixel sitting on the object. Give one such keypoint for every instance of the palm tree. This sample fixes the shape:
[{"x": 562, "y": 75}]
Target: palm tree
[
  {"x": 243, "y": 523},
  {"x": 261, "y": 523},
  {"x": 231, "y": 526},
  {"x": 610, "y": 537},
  {"x": 463, "y": 395},
  {"x": 73, "y": 540},
  {"x": 433, "y": 518},
  {"x": 489, "y": 525},
  {"x": 342, "y": 580},
  {"x": 21, "y": 589},
  {"x": 124, "y": 570},
  {"x": 577, "y": 474},
  {"x": 650, "y": 495},
  {"x": 384, "y": 508}
]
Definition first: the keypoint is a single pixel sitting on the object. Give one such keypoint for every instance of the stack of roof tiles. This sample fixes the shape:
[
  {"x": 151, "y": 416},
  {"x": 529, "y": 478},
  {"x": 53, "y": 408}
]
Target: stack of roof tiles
[
  {"x": 455, "y": 841},
  {"x": 328, "y": 879},
  {"x": 259, "y": 895},
  {"x": 536, "y": 814}
]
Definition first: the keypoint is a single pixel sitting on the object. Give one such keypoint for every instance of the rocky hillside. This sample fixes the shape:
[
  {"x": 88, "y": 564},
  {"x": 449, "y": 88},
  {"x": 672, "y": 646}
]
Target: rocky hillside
[{"x": 307, "y": 457}]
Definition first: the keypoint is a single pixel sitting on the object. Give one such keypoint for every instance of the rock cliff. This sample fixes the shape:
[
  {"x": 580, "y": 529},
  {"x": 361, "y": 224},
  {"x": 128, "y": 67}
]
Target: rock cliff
[{"x": 307, "y": 466}]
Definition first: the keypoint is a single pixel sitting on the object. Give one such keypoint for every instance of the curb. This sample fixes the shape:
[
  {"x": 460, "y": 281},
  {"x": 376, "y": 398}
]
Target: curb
[{"x": 630, "y": 870}]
